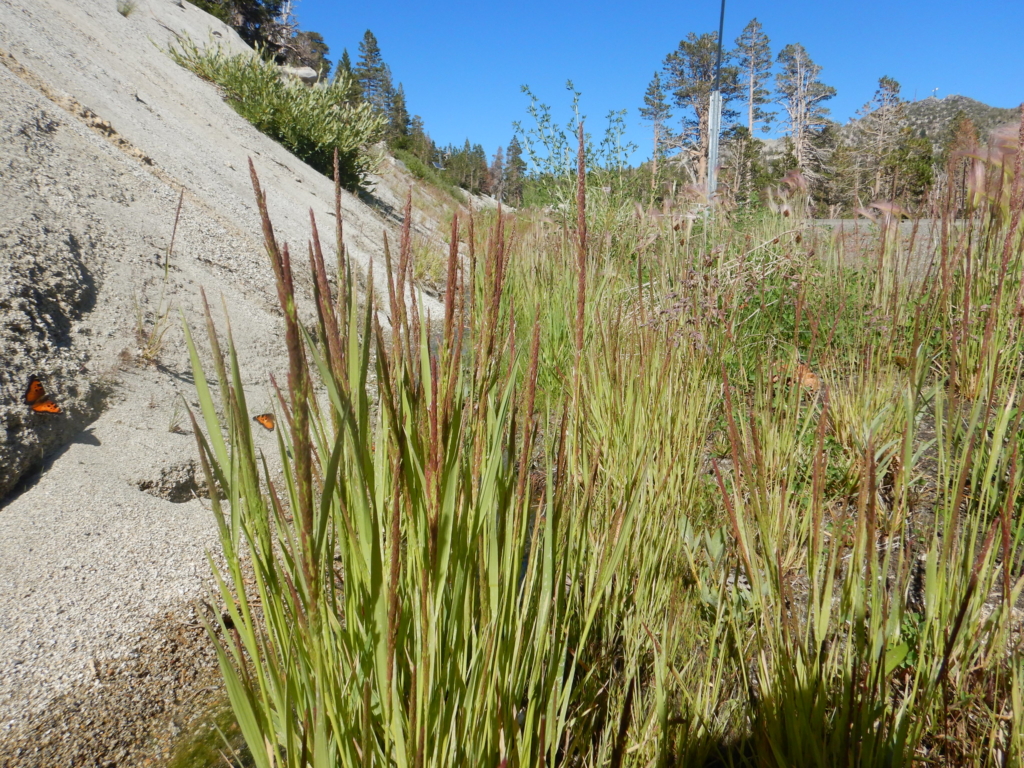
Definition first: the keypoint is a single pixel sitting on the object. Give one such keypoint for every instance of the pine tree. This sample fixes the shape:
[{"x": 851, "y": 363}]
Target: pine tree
[
  {"x": 387, "y": 92},
  {"x": 515, "y": 172},
  {"x": 656, "y": 111},
  {"x": 690, "y": 76},
  {"x": 420, "y": 143},
  {"x": 879, "y": 133},
  {"x": 467, "y": 166},
  {"x": 478, "y": 168},
  {"x": 373, "y": 74},
  {"x": 961, "y": 138},
  {"x": 256, "y": 21},
  {"x": 345, "y": 65},
  {"x": 913, "y": 167},
  {"x": 343, "y": 72},
  {"x": 801, "y": 95},
  {"x": 398, "y": 120},
  {"x": 741, "y": 164},
  {"x": 496, "y": 176},
  {"x": 754, "y": 59},
  {"x": 834, "y": 189}
]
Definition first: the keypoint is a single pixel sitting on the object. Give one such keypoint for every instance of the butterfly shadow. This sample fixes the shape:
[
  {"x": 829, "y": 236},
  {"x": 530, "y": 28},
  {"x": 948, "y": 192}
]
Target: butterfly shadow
[{"x": 85, "y": 437}]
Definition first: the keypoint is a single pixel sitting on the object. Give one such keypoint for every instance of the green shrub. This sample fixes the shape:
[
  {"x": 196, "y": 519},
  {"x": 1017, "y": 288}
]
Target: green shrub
[{"x": 310, "y": 122}]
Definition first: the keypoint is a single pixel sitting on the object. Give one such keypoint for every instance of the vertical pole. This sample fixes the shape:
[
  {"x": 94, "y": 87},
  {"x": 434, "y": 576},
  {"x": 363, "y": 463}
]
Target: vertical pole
[
  {"x": 714, "y": 129},
  {"x": 715, "y": 114}
]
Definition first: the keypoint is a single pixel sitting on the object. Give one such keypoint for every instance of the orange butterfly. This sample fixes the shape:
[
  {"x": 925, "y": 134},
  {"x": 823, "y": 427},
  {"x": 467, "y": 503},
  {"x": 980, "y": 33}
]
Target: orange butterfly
[
  {"x": 37, "y": 399},
  {"x": 804, "y": 377},
  {"x": 807, "y": 378},
  {"x": 265, "y": 420}
]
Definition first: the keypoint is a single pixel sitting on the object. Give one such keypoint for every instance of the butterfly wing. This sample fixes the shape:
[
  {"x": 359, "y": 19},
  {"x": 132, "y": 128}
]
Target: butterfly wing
[
  {"x": 265, "y": 420},
  {"x": 37, "y": 399},
  {"x": 46, "y": 406},
  {"x": 35, "y": 391}
]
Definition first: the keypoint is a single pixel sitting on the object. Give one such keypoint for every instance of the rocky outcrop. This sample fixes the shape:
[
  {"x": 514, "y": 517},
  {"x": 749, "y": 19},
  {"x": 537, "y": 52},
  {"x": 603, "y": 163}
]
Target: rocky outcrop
[
  {"x": 307, "y": 75},
  {"x": 47, "y": 285}
]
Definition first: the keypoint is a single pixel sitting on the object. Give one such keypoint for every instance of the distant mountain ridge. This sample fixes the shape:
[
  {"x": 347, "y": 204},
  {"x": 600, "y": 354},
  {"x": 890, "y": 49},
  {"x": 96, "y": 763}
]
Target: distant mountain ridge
[
  {"x": 934, "y": 116},
  {"x": 931, "y": 115}
]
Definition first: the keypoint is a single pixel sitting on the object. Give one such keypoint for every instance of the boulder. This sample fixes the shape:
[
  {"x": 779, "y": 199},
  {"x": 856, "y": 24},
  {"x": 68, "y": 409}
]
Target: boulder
[
  {"x": 46, "y": 286},
  {"x": 308, "y": 75}
]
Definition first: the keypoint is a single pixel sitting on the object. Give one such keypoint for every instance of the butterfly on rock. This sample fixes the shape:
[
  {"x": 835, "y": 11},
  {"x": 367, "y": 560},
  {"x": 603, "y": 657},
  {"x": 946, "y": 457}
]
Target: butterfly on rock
[{"x": 37, "y": 399}]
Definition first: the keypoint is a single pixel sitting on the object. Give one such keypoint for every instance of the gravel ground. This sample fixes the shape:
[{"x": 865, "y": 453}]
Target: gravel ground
[{"x": 103, "y": 540}]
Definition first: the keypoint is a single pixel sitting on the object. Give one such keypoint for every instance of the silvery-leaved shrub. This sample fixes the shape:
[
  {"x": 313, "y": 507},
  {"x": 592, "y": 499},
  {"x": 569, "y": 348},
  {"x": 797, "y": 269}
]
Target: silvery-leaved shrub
[{"x": 310, "y": 122}]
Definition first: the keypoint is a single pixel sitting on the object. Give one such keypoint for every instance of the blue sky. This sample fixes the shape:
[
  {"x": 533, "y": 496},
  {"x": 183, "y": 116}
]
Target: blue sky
[{"x": 462, "y": 63}]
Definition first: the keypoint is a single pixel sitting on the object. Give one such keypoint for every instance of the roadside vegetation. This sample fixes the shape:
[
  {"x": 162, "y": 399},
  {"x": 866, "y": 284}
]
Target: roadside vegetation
[{"x": 663, "y": 486}]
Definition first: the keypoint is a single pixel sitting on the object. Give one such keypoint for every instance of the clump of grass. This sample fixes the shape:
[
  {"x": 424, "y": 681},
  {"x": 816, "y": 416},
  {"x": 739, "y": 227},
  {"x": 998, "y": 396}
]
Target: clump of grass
[
  {"x": 313, "y": 123},
  {"x": 584, "y": 520},
  {"x": 429, "y": 262},
  {"x": 150, "y": 328},
  {"x": 174, "y": 424},
  {"x": 413, "y": 609},
  {"x": 126, "y": 7}
]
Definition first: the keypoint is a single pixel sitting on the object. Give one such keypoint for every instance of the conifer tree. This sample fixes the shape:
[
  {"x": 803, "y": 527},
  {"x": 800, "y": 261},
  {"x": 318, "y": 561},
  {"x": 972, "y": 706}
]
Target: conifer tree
[
  {"x": 741, "y": 164},
  {"x": 690, "y": 76},
  {"x": 912, "y": 167},
  {"x": 345, "y": 65},
  {"x": 515, "y": 172},
  {"x": 256, "y": 21},
  {"x": 478, "y": 168},
  {"x": 354, "y": 93},
  {"x": 835, "y": 187},
  {"x": 880, "y": 127},
  {"x": 308, "y": 49},
  {"x": 420, "y": 143},
  {"x": 801, "y": 94},
  {"x": 754, "y": 61},
  {"x": 398, "y": 120},
  {"x": 387, "y": 91},
  {"x": 656, "y": 111},
  {"x": 467, "y": 166},
  {"x": 961, "y": 138},
  {"x": 373, "y": 74},
  {"x": 496, "y": 176}
]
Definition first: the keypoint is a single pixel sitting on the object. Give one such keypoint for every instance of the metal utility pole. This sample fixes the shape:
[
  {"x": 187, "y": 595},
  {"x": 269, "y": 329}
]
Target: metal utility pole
[{"x": 715, "y": 116}]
